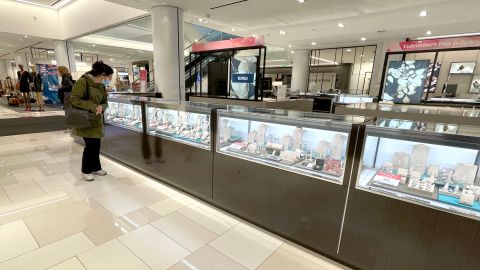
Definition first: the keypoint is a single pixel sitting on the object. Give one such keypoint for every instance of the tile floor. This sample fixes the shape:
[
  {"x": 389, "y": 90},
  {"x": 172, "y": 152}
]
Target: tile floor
[{"x": 51, "y": 219}]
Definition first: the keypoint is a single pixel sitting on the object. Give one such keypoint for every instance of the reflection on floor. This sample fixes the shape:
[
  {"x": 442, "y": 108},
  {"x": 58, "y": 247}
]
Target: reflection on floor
[
  {"x": 8, "y": 112},
  {"x": 50, "y": 219}
]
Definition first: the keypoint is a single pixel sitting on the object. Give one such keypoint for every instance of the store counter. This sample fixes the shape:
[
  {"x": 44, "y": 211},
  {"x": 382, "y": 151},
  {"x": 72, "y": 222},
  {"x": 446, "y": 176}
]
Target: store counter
[
  {"x": 168, "y": 141},
  {"x": 451, "y": 115},
  {"x": 286, "y": 171},
  {"x": 414, "y": 202}
]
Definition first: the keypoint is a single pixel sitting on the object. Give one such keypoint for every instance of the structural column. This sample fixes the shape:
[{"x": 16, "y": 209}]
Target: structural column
[
  {"x": 167, "y": 25},
  {"x": 300, "y": 71},
  {"x": 65, "y": 55}
]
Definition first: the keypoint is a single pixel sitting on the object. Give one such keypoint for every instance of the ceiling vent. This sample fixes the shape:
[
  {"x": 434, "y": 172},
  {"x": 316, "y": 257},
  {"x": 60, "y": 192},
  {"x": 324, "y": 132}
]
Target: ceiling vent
[{"x": 229, "y": 4}]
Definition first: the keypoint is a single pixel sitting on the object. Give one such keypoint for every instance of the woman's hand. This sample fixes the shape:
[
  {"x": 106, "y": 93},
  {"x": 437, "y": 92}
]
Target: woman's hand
[{"x": 99, "y": 110}]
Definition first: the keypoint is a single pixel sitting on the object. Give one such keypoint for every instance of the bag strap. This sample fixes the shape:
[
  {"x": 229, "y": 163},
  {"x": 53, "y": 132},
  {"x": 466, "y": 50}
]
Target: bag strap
[{"x": 87, "y": 90}]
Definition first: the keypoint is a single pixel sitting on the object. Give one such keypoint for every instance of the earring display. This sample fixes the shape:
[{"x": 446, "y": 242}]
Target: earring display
[
  {"x": 187, "y": 127},
  {"x": 444, "y": 173},
  {"x": 124, "y": 115},
  {"x": 314, "y": 152}
]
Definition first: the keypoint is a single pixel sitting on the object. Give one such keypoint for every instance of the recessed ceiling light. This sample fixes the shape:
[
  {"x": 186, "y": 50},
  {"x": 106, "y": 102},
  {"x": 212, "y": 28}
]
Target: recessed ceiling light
[
  {"x": 111, "y": 59},
  {"x": 289, "y": 46},
  {"x": 26, "y": 36},
  {"x": 423, "y": 13},
  {"x": 200, "y": 20},
  {"x": 282, "y": 32},
  {"x": 9, "y": 45},
  {"x": 341, "y": 25},
  {"x": 254, "y": 35},
  {"x": 196, "y": 40},
  {"x": 314, "y": 43},
  {"x": 292, "y": 52},
  {"x": 363, "y": 39},
  {"x": 233, "y": 29},
  {"x": 93, "y": 45},
  {"x": 429, "y": 33},
  {"x": 349, "y": 50},
  {"x": 301, "y": 1}
]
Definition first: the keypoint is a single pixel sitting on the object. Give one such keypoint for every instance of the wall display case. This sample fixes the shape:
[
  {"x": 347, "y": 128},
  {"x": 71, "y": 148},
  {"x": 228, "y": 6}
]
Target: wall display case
[
  {"x": 300, "y": 144},
  {"x": 436, "y": 166},
  {"x": 185, "y": 124},
  {"x": 124, "y": 113}
]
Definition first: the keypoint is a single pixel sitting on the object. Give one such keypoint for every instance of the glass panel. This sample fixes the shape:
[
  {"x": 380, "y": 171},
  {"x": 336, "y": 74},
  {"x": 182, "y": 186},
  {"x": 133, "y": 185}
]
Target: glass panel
[
  {"x": 439, "y": 172},
  {"x": 124, "y": 115},
  {"x": 458, "y": 74},
  {"x": 301, "y": 149},
  {"x": 181, "y": 126}
]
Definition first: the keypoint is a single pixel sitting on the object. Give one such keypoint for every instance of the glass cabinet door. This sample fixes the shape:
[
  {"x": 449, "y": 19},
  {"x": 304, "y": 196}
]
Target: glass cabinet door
[
  {"x": 316, "y": 148},
  {"x": 183, "y": 126},
  {"x": 431, "y": 164},
  {"x": 124, "y": 115}
]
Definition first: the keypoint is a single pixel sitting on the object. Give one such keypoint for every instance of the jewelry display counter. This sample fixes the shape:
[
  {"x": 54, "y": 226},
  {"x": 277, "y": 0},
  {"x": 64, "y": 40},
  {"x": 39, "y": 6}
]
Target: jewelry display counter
[
  {"x": 166, "y": 140},
  {"x": 286, "y": 171},
  {"x": 418, "y": 184}
]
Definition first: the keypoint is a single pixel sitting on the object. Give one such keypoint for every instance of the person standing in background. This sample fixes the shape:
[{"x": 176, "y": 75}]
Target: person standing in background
[
  {"x": 24, "y": 80},
  {"x": 94, "y": 82},
  {"x": 38, "y": 89},
  {"x": 65, "y": 89}
]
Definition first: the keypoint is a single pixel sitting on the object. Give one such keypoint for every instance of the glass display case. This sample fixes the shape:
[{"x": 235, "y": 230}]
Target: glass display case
[
  {"x": 304, "y": 143},
  {"x": 125, "y": 113},
  {"x": 188, "y": 123},
  {"x": 431, "y": 164}
]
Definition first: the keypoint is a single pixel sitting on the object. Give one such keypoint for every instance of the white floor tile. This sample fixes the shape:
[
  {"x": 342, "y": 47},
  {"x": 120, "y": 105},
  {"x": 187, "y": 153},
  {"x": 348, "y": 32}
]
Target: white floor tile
[
  {"x": 28, "y": 174},
  {"x": 67, "y": 220},
  {"x": 54, "y": 183},
  {"x": 23, "y": 191},
  {"x": 215, "y": 223},
  {"x": 154, "y": 248},
  {"x": 20, "y": 210},
  {"x": 184, "y": 231},
  {"x": 126, "y": 200},
  {"x": 290, "y": 256},
  {"x": 208, "y": 258},
  {"x": 70, "y": 264},
  {"x": 3, "y": 197},
  {"x": 48, "y": 256},
  {"x": 168, "y": 206},
  {"x": 38, "y": 156},
  {"x": 111, "y": 256},
  {"x": 16, "y": 239},
  {"x": 94, "y": 188},
  {"x": 246, "y": 245}
]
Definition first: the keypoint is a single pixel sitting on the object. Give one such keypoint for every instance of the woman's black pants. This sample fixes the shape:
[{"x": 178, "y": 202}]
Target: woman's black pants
[{"x": 91, "y": 156}]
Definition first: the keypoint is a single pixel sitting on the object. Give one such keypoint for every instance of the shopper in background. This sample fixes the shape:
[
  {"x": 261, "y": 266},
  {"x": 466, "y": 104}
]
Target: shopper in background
[
  {"x": 37, "y": 88},
  {"x": 65, "y": 89},
  {"x": 24, "y": 80},
  {"x": 92, "y": 82}
]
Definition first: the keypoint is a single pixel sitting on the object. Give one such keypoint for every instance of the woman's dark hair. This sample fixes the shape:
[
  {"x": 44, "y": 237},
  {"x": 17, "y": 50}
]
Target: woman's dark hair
[{"x": 99, "y": 68}]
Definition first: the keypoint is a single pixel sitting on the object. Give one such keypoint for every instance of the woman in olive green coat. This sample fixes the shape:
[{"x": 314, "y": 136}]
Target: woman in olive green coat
[{"x": 95, "y": 81}]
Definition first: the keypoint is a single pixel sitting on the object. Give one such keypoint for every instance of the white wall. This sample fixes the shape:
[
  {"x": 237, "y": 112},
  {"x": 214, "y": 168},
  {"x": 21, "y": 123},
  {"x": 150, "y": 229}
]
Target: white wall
[
  {"x": 86, "y": 16},
  {"x": 18, "y": 18}
]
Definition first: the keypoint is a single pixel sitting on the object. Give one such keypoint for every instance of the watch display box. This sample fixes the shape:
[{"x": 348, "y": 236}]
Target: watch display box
[
  {"x": 303, "y": 143},
  {"x": 425, "y": 166},
  {"x": 188, "y": 123},
  {"x": 124, "y": 113}
]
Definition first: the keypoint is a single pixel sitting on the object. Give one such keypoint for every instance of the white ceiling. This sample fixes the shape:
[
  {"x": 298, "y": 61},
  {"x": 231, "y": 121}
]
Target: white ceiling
[
  {"x": 11, "y": 43},
  {"x": 317, "y": 20},
  {"x": 56, "y": 4}
]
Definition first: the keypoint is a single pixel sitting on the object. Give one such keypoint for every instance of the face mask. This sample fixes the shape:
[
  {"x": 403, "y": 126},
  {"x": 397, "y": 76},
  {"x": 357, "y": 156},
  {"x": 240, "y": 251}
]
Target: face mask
[{"x": 106, "y": 83}]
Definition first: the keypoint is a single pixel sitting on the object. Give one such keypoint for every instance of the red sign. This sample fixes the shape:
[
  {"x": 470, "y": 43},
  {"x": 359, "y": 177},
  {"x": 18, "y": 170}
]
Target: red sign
[
  {"x": 235, "y": 43},
  {"x": 435, "y": 44},
  {"x": 143, "y": 79}
]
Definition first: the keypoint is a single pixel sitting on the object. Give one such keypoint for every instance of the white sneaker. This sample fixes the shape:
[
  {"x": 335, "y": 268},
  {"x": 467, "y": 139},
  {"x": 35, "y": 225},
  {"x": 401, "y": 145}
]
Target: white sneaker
[
  {"x": 88, "y": 176},
  {"x": 100, "y": 172}
]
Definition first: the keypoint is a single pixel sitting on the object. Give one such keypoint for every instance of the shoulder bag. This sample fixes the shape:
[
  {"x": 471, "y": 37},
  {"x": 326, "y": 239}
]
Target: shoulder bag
[{"x": 80, "y": 118}]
